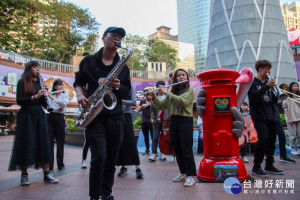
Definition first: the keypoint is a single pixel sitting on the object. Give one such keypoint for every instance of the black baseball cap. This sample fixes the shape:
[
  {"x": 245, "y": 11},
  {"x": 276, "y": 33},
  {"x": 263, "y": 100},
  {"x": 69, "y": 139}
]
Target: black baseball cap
[{"x": 114, "y": 29}]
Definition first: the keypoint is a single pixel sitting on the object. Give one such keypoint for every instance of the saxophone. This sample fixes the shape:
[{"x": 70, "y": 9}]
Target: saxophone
[{"x": 103, "y": 97}]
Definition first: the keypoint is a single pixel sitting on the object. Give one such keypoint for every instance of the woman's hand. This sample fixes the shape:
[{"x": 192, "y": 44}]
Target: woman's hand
[{"x": 40, "y": 93}]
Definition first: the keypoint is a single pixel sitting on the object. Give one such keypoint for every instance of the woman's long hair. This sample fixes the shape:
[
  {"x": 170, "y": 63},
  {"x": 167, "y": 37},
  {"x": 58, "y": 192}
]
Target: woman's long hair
[
  {"x": 291, "y": 89},
  {"x": 27, "y": 77},
  {"x": 178, "y": 89},
  {"x": 57, "y": 82}
]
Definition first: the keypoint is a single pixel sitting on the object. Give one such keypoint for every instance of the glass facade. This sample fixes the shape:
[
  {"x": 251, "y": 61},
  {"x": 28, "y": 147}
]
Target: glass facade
[{"x": 193, "y": 18}]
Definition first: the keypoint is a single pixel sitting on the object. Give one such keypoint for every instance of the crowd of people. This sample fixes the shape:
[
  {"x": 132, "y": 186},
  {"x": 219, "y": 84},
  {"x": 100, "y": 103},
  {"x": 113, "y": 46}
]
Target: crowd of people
[{"x": 110, "y": 136}]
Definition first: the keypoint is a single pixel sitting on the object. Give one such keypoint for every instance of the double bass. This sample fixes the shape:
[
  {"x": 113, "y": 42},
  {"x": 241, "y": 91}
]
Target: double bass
[{"x": 165, "y": 143}]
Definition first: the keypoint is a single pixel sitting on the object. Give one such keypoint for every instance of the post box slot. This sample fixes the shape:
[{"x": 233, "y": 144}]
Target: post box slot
[{"x": 219, "y": 82}]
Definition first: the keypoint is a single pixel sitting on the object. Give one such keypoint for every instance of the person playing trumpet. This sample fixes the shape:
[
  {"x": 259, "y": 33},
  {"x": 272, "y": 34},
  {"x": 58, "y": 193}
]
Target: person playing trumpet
[
  {"x": 292, "y": 115},
  {"x": 56, "y": 122},
  {"x": 262, "y": 102}
]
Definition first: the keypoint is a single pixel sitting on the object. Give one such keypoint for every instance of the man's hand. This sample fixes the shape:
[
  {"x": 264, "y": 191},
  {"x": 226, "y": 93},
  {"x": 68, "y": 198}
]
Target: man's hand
[
  {"x": 115, "y": 84},
  {"x": 83, "y": 101},
  {"x": 200, "y": 102}
]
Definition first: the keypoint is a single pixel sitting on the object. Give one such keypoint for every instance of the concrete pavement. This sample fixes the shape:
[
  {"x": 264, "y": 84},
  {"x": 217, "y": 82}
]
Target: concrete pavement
[{"x": 156, "y": 185}]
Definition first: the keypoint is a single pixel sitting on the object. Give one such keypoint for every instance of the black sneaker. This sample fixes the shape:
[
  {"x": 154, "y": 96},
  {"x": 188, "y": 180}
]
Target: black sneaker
[
  {"x": 287, "y": 160},
  {"x": 123, "y": 172},
  {"x": 49, "y": 178},
  {"x": 109, "y": 197},
  {"x": 139, "y": 174},
  {"x": 147, "y": 152},
  {"x": 273, "y": 170},
  {"x": 24, "y": 179},
  {"x": 259, "y": 172}
]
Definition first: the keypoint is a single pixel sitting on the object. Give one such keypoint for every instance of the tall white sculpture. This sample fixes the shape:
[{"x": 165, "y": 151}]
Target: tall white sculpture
[{"x": 244, "y": 31}]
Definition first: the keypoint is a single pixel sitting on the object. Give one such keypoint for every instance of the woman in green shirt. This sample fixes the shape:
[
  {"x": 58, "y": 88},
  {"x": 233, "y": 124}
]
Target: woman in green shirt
[{"x": 179, "y": 102}]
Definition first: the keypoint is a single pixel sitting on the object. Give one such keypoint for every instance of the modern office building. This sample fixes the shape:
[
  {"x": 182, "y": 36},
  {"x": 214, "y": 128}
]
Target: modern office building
[
  {"x": 243, "y": 31},
  {"x": 185, "y": 51},
  {"x": 193, "y": 18}
]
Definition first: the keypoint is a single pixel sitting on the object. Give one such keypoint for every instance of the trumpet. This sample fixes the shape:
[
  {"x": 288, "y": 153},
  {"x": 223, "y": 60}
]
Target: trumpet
[
  {"x": 277, "y": 91},
  {"x": 165, "y": 87},
  {"x": 287, "y": 92}
]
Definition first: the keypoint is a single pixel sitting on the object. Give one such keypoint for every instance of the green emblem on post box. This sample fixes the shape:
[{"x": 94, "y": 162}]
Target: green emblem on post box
[{"x": 222, "y": 104}]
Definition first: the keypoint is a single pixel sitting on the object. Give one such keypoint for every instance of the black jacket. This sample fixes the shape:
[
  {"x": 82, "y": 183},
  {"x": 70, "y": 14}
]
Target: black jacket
[
  {"x": 92, "y": 70},
  {"x": 262, "y": 101}
]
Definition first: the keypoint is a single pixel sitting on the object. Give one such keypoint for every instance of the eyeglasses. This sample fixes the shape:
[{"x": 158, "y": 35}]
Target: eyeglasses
[
  {"x": 116, "y": 35},
  {"x": 35, "y": 66}
]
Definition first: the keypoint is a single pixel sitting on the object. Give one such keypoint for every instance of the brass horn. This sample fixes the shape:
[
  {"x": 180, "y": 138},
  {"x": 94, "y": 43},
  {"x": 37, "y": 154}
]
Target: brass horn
[{"x": 277, "y": 91}]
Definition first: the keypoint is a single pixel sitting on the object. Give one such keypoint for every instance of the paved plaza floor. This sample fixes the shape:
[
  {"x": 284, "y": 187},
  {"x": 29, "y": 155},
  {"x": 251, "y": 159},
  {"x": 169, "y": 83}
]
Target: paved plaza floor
[{"x": 156, "y": 185}]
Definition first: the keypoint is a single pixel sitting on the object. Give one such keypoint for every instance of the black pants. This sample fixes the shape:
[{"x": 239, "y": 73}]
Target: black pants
[
  {"x": 146, "y": 127},
  {"x": 266, "y": 133},
  {"x": 86, "y": 146},
  {"x": 105, "y": 137},
  {"x": 244, "y": 148},
  {"x": 181, "y": 132},
  {"x": 56, "y": 124},
  {"x": 157, "y": 128},
  {"x": 281, "y": 139}
]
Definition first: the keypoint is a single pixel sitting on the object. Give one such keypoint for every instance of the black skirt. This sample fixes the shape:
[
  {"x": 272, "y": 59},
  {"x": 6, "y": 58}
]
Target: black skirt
[
  {"x": 31, "y": 146},
  {"x": 128, "y": 153}
]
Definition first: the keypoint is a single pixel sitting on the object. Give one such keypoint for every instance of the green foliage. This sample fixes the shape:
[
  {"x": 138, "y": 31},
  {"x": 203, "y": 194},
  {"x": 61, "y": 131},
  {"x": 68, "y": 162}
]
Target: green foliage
[
  {"x": 158, "y": 51},
  {"x": 71, "y": 127},
  {"x": 137, "y": 124},
  {"x": 136, "y": 43},
  {"x": 48, "y": 31},
  {"x": 282, "y": 118}
]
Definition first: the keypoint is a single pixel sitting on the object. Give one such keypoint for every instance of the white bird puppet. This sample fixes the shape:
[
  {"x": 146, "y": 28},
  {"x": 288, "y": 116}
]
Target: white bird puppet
[{"x": 245, "y": 79}]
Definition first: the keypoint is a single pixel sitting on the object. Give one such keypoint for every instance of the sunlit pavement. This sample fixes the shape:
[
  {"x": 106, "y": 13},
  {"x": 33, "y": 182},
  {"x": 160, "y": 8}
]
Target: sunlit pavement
[{"x": 156, "y": 185}]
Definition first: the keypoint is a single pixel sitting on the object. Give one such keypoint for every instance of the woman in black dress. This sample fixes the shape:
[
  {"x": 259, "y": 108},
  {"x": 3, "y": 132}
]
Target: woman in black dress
[{"x": 31, "y": 145}]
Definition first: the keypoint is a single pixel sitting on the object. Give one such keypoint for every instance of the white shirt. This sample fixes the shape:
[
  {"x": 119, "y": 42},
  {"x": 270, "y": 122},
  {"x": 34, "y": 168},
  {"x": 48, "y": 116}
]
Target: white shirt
[{"x": 59, "y": 102}]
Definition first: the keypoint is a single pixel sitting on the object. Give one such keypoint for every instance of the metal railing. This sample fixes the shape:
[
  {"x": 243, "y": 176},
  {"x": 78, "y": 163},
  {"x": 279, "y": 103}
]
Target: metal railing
[
  {"x": 20, "y": 59},
  {"x": 17, "y": 58}
]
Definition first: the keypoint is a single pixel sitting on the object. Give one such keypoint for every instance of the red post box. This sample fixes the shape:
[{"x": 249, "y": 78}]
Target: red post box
[{"x": 221, "y": 148}]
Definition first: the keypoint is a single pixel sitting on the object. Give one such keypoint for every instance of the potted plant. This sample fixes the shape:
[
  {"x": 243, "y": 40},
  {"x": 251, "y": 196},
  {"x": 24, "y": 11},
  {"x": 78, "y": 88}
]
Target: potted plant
[
  {"x": 137, "y": 126},
  {"x": 74, "y": 136}
]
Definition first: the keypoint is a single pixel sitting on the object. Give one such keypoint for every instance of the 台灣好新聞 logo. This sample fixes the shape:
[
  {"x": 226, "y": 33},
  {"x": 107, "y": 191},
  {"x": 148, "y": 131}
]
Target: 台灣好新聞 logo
[{"x": 232, "y": 186}]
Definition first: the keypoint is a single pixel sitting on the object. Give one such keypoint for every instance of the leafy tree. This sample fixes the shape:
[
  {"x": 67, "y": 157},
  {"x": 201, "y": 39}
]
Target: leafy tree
[
  {"x": 73, "y": 27},
  {"x": 48, "y": 31},
  {"x": 158, "y": 51},
  {"x": 137, "y": 45},
  {"x": 18, "y": 23}
]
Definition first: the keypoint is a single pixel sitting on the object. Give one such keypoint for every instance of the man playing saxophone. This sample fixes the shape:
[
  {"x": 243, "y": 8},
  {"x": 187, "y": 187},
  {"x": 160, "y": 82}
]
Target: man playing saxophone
[{"x": 105, "y": 132}]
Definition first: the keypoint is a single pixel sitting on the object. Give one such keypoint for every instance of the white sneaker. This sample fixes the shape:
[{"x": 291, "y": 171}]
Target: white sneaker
[
  {"x": 83, "y": 164},
  {"x": 245, "y": 159},
  {"x": 162, "y": 157},
  {"x": 179, "y": 178},
  {"x": 189, "y": 181},
  {"x": 152, "y": 157},
  {"x": 294, "y": 152}
]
